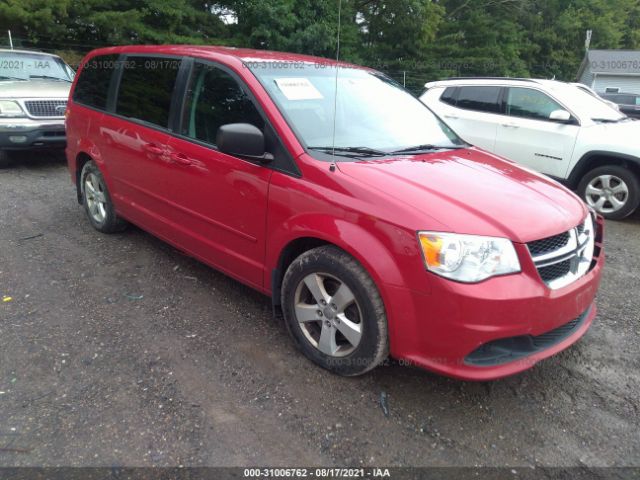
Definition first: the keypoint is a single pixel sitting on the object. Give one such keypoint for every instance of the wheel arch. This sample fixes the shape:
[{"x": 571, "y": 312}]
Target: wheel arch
[
  {"x": 81, "y": 160},
  {"x": 288, "y": 254},
  {"x": 344, "y": 237},
  {"x": 89, "y": 151},
  {"x": 600, "y": 158}
]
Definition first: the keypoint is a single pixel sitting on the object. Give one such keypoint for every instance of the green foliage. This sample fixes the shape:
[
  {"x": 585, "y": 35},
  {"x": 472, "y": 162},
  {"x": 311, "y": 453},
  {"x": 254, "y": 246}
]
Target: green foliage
[
  {"x": 92, "y": 23},
  {"x": 413, "y": 40},
  {"x": 558, "y": 29},
  {"x": 301, "y": 26},
  {"x": 483, "y": 38}
]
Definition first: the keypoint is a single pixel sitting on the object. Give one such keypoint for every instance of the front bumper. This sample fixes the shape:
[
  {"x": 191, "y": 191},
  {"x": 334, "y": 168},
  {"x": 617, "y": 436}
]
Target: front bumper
[
  {"x": 444, "y": 330},
  {"x": 26, "y": 134}
]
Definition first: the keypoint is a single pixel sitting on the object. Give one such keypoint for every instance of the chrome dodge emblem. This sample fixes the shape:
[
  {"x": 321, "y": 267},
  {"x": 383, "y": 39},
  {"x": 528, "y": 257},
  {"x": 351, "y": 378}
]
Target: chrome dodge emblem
[{"x": 61, "y": 109}]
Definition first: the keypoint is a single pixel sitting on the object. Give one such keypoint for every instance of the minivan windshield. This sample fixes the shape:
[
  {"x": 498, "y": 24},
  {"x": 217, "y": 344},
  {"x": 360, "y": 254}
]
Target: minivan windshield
[
  {"x": 26, "y": 66},
  {"x": 374, "y": 115}
]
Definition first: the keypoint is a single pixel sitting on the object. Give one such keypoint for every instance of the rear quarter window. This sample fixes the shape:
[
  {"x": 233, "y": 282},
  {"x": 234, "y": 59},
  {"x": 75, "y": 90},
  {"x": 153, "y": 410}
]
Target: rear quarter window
[
  {"x": 449, "y": 96},
  {"x": 92, "y": 87}
]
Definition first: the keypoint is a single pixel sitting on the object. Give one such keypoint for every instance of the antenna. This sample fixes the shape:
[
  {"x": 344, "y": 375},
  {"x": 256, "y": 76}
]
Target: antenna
[
  {"x": 335, "y": 96},
  {"x": 10, "y": 39}
]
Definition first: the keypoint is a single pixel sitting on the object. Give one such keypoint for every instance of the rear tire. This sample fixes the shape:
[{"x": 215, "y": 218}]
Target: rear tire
[
  {"x": 613, "y": 191},
  {"x": 97, "y": 201},
  {"x": 334, "y": 312}
]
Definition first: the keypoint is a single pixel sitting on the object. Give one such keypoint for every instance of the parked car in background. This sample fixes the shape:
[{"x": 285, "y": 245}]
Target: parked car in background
[
  {"x": 628, "y": 103},
  {"x": 34, "y": 87},
  {"x": 371, "y": 224},
  {"x": 551, "y": 127},
  {"x": 595, "y": 94}
]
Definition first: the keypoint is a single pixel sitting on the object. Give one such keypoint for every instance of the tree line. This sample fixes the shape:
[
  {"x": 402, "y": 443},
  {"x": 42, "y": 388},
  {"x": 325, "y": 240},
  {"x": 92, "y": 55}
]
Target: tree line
[{"x": 412, "y": 40}]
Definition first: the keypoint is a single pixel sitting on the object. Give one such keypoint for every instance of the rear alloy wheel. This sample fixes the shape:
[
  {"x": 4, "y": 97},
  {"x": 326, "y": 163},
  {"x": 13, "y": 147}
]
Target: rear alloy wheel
[
  {"x": 97, "y": 201},
  {"x": 334, "y": 312},
  {"x": 611, "y": 191}
]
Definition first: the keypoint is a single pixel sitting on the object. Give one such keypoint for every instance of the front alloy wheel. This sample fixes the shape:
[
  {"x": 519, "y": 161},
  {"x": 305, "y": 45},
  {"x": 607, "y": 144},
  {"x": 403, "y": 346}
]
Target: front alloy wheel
[
  {"x": 328, "y": 314},
  {"x": 612, "y": 191},
  {"x": 607, "y": 193},
  {"x": 334, "y": 312}
]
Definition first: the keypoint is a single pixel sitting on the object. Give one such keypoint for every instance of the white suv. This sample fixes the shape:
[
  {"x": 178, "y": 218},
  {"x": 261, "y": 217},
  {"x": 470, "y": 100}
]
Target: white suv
[{"x": 552, "y": 127}]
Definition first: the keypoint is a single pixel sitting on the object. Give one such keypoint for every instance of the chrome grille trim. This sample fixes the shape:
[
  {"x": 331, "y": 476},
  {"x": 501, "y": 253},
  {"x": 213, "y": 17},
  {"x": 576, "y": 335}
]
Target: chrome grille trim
[
  {"x": 45, "y": 108},
  {"x": 575, "y": 256}
]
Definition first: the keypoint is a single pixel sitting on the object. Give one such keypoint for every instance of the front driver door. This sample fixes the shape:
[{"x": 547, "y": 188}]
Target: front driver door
[
  {"x": 527, "y": 136},
  {"x": 219, "y": 201}
]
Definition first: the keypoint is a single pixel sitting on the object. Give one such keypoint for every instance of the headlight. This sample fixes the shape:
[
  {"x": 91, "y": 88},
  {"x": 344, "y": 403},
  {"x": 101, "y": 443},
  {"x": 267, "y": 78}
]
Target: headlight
[
  {"x": 9, "y": 108},
  {"x": 468, "y": 258}
]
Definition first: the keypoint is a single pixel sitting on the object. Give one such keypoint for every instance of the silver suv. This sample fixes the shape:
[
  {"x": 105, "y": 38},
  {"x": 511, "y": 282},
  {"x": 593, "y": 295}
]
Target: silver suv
[{"x": 34, "y": 88}]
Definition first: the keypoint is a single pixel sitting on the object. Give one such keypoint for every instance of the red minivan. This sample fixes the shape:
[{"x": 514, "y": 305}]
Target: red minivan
[{"x": 325, "y": 185}]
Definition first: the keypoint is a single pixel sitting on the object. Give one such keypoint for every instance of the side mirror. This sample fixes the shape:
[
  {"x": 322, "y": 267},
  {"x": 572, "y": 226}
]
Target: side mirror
[
  {"x": 242, "y": 140},
  {"x": 560, "y": 116}
]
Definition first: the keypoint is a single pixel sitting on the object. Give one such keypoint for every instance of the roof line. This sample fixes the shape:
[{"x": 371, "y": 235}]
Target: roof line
[{"x": 493, "y": 78}]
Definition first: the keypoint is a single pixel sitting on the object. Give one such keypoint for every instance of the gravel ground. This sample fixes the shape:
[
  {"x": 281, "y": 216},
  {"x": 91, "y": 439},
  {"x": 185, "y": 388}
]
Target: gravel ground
[{"x": 119, "y": 350}]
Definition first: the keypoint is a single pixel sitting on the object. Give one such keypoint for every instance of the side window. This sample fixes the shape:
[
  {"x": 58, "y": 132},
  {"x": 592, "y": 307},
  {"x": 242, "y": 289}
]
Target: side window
[
  {"x": 214, "y": 98},
  {"x": 483, "y": 99},
  {"x": 146, "y": 88},
  {"x": 449, "y": 96},
  {"x": 530, "y": 103},
  {"x": 92, "y": 87}
]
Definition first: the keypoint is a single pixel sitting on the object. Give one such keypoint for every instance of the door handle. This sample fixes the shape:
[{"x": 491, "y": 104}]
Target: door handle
[
  {"x": 509, "y": 125},
  {"x": 181, "y": 159},
  {"x": 452, "y": 117},
  {"x": 153, "y": 148}
]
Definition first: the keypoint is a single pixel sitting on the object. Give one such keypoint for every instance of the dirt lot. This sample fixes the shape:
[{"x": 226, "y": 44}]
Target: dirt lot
[{"x": 119, "y": 350}]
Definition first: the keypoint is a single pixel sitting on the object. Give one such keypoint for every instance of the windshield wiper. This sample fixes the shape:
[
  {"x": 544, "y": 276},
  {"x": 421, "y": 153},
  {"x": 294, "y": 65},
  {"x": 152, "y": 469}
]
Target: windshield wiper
[
  {"x": 6, "y": 77},
  {"x": 426, "y": 147},
  {"x": 50, "y": 77},
  {"x": 352, "y": 151}
]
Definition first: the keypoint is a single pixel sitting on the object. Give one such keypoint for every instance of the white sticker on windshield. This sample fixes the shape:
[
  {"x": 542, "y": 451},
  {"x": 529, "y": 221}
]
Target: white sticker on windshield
[{"x": 298, "y": 89}]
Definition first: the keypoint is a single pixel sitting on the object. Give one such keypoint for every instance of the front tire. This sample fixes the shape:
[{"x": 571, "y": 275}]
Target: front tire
[
  {"x": 97, "y": 201},
  {"x": 612, "y": 191},
  {"x": 334, "y": 312}
]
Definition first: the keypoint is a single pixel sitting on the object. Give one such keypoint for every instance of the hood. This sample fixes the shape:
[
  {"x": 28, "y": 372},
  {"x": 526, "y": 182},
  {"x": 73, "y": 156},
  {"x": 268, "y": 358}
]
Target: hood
[
  {"x": 611, "y": 133},
  {"x": 474, "y": 192},
  {"x": 37, "y": 88}
]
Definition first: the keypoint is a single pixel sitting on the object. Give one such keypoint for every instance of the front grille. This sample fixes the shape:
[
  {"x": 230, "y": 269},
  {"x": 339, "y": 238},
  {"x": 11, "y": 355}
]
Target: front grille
[
  {"x": 550, "y": 244},
  {"x": 555, "y": 271},
  {"x": 504, "y": 350},
  {"x": 563, "y": 258},
  {"x": 46, "y": 108}
]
